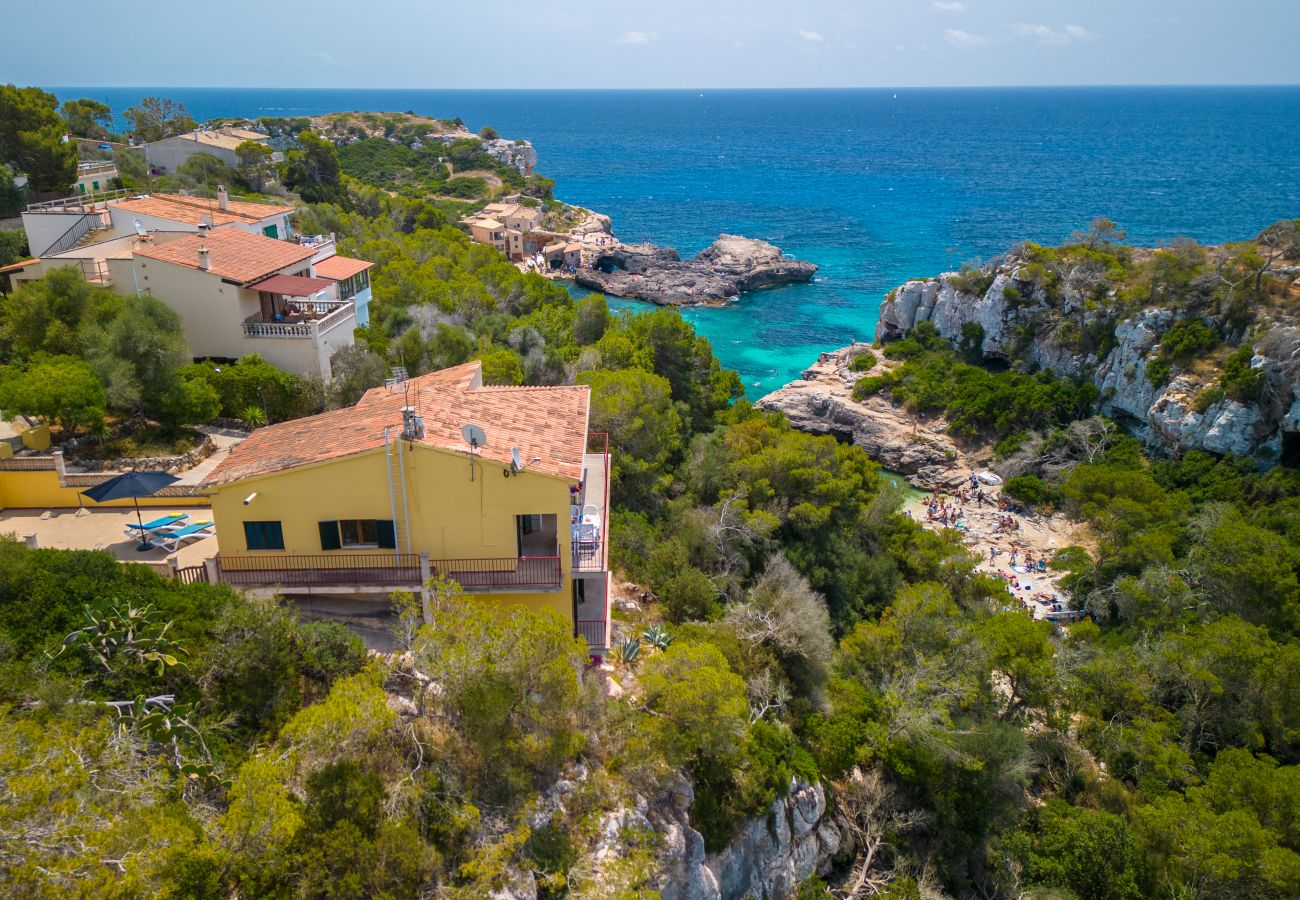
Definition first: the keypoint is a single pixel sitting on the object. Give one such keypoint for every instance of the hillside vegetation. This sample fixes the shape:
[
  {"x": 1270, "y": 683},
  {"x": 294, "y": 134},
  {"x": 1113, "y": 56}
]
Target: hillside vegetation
[{"x": 167, "y": 740}]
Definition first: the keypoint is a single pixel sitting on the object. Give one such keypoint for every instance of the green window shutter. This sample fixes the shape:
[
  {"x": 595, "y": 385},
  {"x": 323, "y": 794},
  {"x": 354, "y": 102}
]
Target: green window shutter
[
  {"x": 263, "y": 536},
  {"x": 329, "y": 536},
  {"x": 387, "y": 534},
  {"x": 273, "y": 535}
]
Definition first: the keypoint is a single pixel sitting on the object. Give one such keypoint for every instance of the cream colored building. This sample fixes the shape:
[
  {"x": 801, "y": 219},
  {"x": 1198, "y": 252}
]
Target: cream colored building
[
  {"x": 170, "y": 153},
  {"x": 506, "y": 226},
  {"x": 236, "y": 292}
]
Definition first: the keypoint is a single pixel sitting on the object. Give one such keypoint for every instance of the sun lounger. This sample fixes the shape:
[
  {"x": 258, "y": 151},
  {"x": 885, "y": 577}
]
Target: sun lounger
[
  {"x": 172, "y": 540},
  {"x": 134, "y": 530}
]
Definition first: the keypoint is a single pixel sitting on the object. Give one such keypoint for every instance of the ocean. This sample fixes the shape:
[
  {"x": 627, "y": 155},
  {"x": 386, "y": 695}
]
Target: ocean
[{"x": 874, "y": 186}]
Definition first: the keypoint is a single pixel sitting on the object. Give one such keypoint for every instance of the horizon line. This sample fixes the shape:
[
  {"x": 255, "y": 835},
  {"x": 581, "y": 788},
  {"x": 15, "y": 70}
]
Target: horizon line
[{"x": 598, "y": 90}]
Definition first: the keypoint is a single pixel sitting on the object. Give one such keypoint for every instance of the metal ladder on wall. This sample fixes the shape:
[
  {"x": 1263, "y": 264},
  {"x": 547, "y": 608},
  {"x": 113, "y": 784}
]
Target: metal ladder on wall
[{"x": 397, "y": 490}]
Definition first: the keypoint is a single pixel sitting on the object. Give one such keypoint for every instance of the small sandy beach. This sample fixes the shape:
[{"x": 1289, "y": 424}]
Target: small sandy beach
[{"x": 1036, "y": 538}]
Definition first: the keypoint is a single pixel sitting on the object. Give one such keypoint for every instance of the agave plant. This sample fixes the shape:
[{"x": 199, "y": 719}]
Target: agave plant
[
  {"x": 629, "y": 650},
  {"x": 252, "y": 417},
  {"x": 658, "y": 637}
]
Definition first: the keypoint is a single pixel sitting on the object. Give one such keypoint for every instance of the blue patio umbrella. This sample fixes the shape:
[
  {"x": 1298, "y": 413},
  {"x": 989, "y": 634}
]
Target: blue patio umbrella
[{"x": 134, "y": 485}]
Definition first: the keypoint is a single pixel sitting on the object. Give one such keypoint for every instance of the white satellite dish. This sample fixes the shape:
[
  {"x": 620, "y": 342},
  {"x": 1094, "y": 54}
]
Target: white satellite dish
[
  {"x": 139, "y": 228},
  {"x": 516, "y": 463},
  {"x": 476, "y": 437}
]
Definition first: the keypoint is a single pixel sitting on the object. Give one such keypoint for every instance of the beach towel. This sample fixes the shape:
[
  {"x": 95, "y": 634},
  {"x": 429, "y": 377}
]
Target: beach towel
[{"x": 1021, "y": 569}]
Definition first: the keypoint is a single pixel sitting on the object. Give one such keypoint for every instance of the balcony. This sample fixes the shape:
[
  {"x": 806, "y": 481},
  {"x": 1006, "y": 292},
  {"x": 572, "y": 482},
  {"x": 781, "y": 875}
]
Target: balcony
[
  {"x": 304, "y": 319},
  {"x": 390, "y": 570},
  {"x": 591, "y": 508}
]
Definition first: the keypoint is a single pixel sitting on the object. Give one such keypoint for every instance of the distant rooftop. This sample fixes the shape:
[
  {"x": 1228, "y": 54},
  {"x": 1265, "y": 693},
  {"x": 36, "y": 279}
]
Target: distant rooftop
[
  {"x": 233, "y": 254},
  {"x": 341, "y": 268},
  {"x": 196, "y": 210},
  {"x": 225, "y": 138}
]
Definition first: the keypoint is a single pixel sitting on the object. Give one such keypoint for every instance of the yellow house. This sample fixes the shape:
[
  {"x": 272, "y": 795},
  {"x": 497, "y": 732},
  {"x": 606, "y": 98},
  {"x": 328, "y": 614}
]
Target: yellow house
[{"x": 501, "y": 489}]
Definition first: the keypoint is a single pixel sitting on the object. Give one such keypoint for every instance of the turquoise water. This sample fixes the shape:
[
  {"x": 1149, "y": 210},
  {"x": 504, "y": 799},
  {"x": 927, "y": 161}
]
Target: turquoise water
[{"x": 875, "y": 186}]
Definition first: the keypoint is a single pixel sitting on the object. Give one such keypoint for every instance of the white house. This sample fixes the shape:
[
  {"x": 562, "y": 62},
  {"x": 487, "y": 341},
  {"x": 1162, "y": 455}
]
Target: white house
[{"x": 168, "y": 154}]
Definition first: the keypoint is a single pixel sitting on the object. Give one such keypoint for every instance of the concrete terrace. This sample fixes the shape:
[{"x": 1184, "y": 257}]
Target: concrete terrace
[{"x": 105, "y": 529}]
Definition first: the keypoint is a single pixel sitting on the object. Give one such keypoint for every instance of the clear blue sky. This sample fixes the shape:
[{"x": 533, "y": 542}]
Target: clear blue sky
[{"x": 665, "y": 43}]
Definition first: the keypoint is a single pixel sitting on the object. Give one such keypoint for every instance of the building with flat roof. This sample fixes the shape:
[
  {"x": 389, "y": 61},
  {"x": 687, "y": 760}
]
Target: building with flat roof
[{"x": 168, "y": 154}]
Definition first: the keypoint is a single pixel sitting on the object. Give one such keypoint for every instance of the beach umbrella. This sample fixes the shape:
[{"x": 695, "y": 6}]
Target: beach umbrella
[{"x": 134, "y": 485}]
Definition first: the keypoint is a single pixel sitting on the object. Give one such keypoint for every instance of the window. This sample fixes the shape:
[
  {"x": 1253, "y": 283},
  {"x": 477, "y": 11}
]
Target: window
[
  {"x": 538, "y": 535},
  {"x": 263, "y": 536},
  {"x": 271, "y": 231},
  {"x": 358, "y": 533}
]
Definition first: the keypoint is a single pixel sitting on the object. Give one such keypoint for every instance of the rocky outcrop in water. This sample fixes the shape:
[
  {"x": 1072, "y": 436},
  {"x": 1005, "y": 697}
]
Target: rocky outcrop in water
[
  {"x": 1014, "y": 320},
  {"x": 730, "y": 266}
]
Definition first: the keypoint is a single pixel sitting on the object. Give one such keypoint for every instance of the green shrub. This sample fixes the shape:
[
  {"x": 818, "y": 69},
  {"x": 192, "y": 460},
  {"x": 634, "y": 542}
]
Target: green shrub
[
  {"x": 1240, "y": 382},
  {"x": 1032, "y": 490},
  {"x": 971, "y": 280},
  {"x": 863, "y": 362},
  {"x": 689, "y": 594},
  {"x": 1010, "y": 444}
]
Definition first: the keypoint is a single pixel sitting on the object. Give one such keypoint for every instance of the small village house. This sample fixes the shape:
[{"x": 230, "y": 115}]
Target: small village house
[
  {"x": 381, "y": 496},
  {"x": 219, "y": 277},
  {"x": 170, "y": 153},
  {"x": 508, "y": 226}
]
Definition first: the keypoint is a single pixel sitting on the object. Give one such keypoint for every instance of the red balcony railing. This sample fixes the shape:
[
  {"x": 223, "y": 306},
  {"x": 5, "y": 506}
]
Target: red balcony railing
[
  {"x": 594, "y": 631},
  {"x": 341, "y": 569},
  {"x": 520, "y": 573},
  {"x": 319, "y": 569}
]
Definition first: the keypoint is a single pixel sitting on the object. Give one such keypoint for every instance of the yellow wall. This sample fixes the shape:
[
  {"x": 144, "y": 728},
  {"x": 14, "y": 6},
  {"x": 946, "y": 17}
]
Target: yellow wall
[
  {"x": 450, "y": 516},
  {"x": 41, "y": 490},
  {"x": 36, "y": 438}
]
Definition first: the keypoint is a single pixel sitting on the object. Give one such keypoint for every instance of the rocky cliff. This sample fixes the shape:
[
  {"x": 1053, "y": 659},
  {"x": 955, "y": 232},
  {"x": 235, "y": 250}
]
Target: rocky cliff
[
  {"x": 1191, "y": 348},
  {"x": 822, "y": 403},
  {"x": 766, "y": 860},
  {"x": 728, "y": 267}
]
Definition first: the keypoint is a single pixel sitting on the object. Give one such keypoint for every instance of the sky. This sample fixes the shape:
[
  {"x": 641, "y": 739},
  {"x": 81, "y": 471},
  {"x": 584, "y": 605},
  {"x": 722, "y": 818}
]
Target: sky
[{"x": 660, "y": 44}]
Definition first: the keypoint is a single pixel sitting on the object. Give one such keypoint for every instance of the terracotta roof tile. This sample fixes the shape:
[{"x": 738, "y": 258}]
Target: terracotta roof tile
[
  {"x": 340, "y": 267},
  {"x": 545, "y": 422},
  {"x": 233, "y": 254},
  {"x": 196, "y": 210}
]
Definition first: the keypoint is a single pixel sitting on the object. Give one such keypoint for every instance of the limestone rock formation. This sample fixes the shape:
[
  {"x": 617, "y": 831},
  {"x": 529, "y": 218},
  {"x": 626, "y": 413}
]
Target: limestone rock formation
[
  {"x": 520, "y": 155},
  {"x": 822, "y": 403},
  {"x": 766, "y": 860},
  {"x": 728, "y": 267},
  {"x": 1012, "y": 320}
]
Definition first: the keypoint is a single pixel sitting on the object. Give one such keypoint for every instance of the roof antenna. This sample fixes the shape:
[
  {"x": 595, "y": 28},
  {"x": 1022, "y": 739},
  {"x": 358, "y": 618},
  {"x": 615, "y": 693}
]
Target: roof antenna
[{"x": 476, "y": 437}]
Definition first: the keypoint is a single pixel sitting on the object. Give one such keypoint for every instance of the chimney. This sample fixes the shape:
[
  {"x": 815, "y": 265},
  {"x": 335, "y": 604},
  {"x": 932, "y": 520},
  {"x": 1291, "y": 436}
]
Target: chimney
[
  {"x": 412, "y": 425},
  {"x": 204, "y": 263},
  {"x": 223, "y": 198}
]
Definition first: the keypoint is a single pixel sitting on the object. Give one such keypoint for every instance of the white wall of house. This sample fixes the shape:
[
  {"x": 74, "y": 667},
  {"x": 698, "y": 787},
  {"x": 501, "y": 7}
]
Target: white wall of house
[
  {"x": 306, "y": 356},
  {"x": 44, "y": 228},
  {"x": 171, "y": 152},
  {"x": 213, "y": 312},
  {"x": 124, "y": 222}
]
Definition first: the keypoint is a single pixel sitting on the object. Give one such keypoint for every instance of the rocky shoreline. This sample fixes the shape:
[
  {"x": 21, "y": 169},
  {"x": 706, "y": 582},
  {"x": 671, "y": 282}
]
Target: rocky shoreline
[
  {"x": 730, "y": 266},
  {"x": 822, "y": 403}
]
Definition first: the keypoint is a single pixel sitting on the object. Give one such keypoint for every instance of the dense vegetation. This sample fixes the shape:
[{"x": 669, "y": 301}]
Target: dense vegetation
[{"x": 798, "y": 627}]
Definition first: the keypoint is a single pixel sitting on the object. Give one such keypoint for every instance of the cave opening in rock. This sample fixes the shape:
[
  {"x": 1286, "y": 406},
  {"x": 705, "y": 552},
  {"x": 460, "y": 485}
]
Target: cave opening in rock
[{"x": 1290, "y": 450}]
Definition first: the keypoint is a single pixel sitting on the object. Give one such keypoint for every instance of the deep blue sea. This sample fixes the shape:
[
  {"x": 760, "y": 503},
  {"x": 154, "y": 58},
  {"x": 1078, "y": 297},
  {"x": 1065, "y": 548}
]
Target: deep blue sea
[{"x": 875, "y": 186}]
